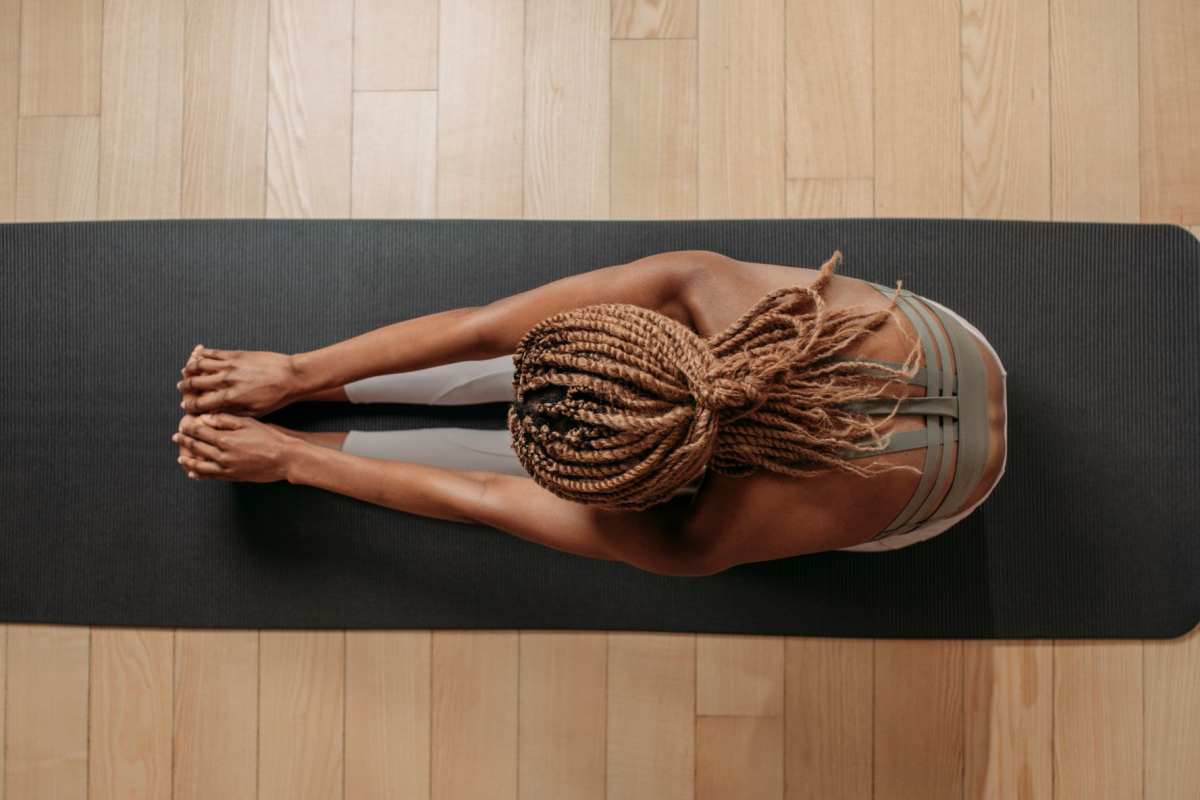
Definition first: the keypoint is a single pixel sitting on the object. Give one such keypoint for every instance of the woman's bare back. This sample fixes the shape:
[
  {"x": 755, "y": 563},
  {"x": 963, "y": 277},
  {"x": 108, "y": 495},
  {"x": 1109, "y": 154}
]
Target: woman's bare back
[{"x": 791, "y": 515}]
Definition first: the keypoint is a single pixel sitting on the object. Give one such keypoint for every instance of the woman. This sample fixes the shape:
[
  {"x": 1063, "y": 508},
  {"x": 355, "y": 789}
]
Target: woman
[{"x": 684, "y": 413}]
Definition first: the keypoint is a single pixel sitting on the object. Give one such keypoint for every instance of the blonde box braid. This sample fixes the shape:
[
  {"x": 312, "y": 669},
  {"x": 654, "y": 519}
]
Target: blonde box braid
[{"x": 617, "y": 406}]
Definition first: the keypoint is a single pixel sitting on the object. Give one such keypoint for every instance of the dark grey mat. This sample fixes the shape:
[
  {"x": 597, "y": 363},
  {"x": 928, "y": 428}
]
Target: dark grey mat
[{"x": 1094, "y": 530}]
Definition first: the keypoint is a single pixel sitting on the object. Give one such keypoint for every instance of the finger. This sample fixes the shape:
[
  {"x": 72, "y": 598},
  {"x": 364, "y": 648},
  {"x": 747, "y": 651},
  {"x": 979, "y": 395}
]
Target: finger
[
  {"x": 209, "y": 401},
  {"x": 198, "y": 364},
  {"x": 201, "y": 467},
  {"x": 200, "y": 448},
  {"x": 228, "y": 422},
  {"x": 207, "y": 468},
  {"x": 220, "y": 355},
  {"x": 203, "y": 382},
  {"x": 206, "y": 434}
]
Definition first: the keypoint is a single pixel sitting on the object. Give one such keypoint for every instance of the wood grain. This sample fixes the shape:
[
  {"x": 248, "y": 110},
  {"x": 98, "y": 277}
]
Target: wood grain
[
  {"x": 918, "y": 719},
  {"x": 651, "y": 715},
  {"x": 741, "y": 146},
  {"x": 739, "y": 757},
  {"x": 918, "y": 115},
  {"x": 10, "y": 82},
  {"x": 395, "y": 45},
  {"x": 830, "y": 103},
  {"x": 481, "y": 109},
  {"x": 654, "y": 130},
  {"x": 1005, "y": 109},
  {"x": 56, "y": 168},
  {"x": 566, "y": 109},
  {"x": 387, "y": 714},
  {"x": 651, "y": 19},
  {"x": 216, "y": 715},
  {"x": 309, "y": 108},
  {"x": 225, "y": 108},
  {"x": 739, "y": 675},
  {"x": 1098, "y": 713},
  {"x": 563, "y": 715},
  {"x": 47, "y": 712},
  {"x": 828, "y": 737},
  {"x": 300, "y": 726},
  {"x": 131, "y": 720},
  {"x": 830, "y": 197},
  {"x": 474, "y": 715},
  {"x": 1169, "y": 86},
  {"x": 60, "y": 57},
  {"x": 141, "y": 116},
  {"x": 1172, "y": 714},
  {"x": 1094, "y": 110},
  {"x": 395, "y": 155}
]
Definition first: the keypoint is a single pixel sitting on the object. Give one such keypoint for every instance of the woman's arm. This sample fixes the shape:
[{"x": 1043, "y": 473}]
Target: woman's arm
[
  {"x": 482, "y": 332},
  {"x": 655, "y": 540}
]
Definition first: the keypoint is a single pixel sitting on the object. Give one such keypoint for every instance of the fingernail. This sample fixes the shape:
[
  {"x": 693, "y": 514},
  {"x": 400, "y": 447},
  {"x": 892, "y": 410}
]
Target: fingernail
[
  {"x": 179, "y": 384},
  {"x": 181, "y": 405},
  {"x": 179, "y": 460},
  {"x": 192, "y": 475}
]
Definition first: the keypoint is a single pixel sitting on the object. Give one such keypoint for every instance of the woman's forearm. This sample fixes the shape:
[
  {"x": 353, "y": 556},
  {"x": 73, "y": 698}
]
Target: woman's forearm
[
  {"x": 401, "y": 485},
  {"x": 441, "y": 338}
]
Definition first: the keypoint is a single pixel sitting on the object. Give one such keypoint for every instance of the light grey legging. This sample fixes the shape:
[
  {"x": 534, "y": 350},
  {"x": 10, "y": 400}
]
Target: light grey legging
[{"x": 456, "y": 384}]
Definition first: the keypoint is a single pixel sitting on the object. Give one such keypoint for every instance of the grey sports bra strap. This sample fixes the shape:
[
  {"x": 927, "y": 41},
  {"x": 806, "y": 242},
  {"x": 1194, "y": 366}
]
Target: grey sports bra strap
[{"x": 932, "y": 406}]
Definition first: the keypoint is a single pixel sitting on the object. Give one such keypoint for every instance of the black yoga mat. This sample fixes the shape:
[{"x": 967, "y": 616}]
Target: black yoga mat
[{"x": 1094, "y": 531}]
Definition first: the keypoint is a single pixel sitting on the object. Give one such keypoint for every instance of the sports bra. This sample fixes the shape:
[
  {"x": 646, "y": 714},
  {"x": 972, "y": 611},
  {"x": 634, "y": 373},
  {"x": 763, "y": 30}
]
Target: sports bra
[{"x": 955, "y": 406}]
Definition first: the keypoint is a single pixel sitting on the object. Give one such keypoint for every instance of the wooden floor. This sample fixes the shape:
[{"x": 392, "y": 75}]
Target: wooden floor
[{"x": 1033, "y": 109}]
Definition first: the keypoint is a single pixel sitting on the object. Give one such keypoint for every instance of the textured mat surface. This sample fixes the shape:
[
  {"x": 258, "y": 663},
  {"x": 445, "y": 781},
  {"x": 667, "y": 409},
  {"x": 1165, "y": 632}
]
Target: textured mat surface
[{"x": 1094, "y": 530}]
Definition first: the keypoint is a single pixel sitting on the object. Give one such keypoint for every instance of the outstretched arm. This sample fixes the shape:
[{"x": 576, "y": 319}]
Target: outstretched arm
[
  {"x": 482, "y": 332},
  {"x": 655, "y": 540}
]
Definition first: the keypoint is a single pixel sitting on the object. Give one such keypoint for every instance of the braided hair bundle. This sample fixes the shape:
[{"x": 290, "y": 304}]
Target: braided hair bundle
[{"x": 618, "y": 406}]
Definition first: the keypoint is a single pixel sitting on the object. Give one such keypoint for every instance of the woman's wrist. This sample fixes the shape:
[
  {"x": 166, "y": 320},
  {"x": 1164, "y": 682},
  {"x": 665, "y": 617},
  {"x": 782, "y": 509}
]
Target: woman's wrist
[{"x": 301, "y": 461}]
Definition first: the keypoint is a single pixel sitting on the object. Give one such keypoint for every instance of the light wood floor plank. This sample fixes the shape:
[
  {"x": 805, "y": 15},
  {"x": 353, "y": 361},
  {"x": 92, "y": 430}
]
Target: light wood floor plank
[
  {"x": 650, "y": 19},
  {"x": 741, "y": 171},
  {"x": 10, "y": 82},
  {"x": 739, "y": 675},
  {"x": 481, "y": 109},
  {"x": 1098, "y": 719},
  {"x": 216, "y": 715},
  {"x": 918, "y": 117},
  {"x": 56, "y": 168},
  {"x": 60, "y": 57},
  {"x": 301, "y": 714},
  {"x": 654, "y": 129},
  {"x": 830, "y": 127},
  {"x": 309, "y": 108},
  {"x": 563, "y": 714},
  {"x": 475, "y": 715},
  {"x": 739, "y": 757},
  {"x": 1009, "y": 702},
  {"x": 47, "y": 713},
  {"x": 225, "y": 108},
  {"x": 395, "y": 45},
  {"x": 1094, "y": 109},
  {"x": 1006, "y": 109},
  {"x": 830, "y": 197},
  {"x": 1169, "y": 75},
  {"x": 828, "y": 735},
  {"x": 131, "y": 719},
  {"x": 651, "y": 716},
  {"x": 566, "y": 109},
  {"x": 387, "y": 714},
  {"x": 395, "y": 155},
  {"x": 141, "y": 117},
  {"x": 918, "y": 719},
  {"x": 1172, "y": 715}
]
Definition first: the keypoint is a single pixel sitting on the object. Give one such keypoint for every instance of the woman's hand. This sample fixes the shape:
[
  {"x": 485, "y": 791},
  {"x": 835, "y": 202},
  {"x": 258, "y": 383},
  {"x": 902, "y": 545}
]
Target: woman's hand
[
  {"x": 248, "y": 382},
  {"x": 234, "y": 448}
]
